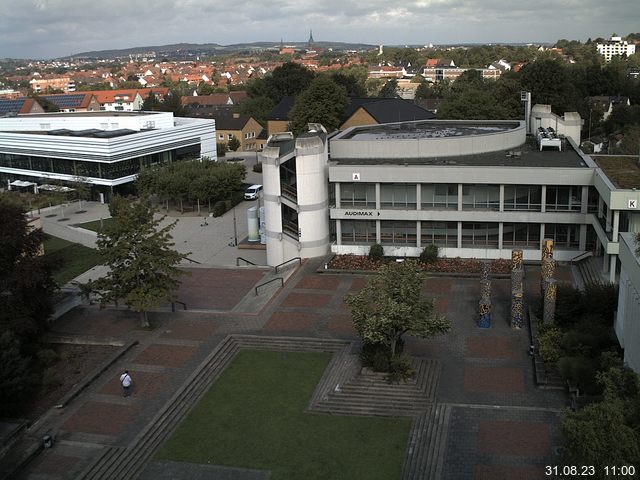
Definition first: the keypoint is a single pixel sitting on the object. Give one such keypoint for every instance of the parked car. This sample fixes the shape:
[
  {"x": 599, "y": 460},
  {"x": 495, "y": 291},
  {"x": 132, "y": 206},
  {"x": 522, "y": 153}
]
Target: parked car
[{"x": 252, "y": 192}]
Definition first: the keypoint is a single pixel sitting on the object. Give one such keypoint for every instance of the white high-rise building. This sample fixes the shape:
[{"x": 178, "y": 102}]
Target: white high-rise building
[{"x": 615, "y": 47}]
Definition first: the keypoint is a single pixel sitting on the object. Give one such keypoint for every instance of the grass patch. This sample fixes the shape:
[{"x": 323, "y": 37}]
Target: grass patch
[
  {"x": 95, "y": 225},
  {"x": 623, "y": 171},
  {"x": 73, "y": 258},
  {"x": 253, "y": 417}
]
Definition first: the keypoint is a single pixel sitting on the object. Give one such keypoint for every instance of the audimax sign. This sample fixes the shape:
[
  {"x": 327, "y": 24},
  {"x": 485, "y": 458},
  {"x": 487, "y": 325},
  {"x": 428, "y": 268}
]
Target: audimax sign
[{"x": 361, "y": 213}]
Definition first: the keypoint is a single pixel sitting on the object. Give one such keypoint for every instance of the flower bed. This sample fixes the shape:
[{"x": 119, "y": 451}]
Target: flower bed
[{"x": 442, "y": 265}]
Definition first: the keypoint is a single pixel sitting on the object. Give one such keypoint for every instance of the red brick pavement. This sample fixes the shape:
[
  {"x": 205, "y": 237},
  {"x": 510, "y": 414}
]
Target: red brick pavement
[
  {"x": 145, "y": 384},
  {"x": 91, "y": 321},
  {"x": 309, "y": 300},
  {"x": 530, "y": 439},
  {"x": 498, "y": 472},
  {"x": 442, "y": 305},
  {"x": 165, "y": 355},
  {"x": 53, "y": 465},
  {"x": 190, "y": 330},
  {"x": 320, "y": 282},
  {"x": 491, "y": 347},
  {"x": 437, "y": 286},
  {"x": 341, "y": 324},
  {"x": 493, "y": 380},
  {"x": 357, "y": 284},
  {"x": 293, "y": 321},
  {"x": 102, "y": 418},
  {"x": 216, "y": 288}
]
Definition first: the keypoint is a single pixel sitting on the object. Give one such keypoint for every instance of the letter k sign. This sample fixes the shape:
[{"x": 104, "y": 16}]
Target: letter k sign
[{"x": 633, "y": 203}]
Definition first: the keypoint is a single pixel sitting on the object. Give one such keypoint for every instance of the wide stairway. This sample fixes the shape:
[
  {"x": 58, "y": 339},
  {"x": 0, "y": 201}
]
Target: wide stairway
[{"x": 589, "y": 269}]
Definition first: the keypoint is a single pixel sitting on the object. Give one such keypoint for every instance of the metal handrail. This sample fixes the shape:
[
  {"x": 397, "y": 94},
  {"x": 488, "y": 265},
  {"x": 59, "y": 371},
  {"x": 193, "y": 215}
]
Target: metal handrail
[
  {"x": 288, "y": 261},
  {"x": 244, "y": 260},
  {"x": 173, "y": 305},
  {"x": 582, "y": 256},
  {"x": 270, "y": 281},
  {"x": 193, "y": 261}
]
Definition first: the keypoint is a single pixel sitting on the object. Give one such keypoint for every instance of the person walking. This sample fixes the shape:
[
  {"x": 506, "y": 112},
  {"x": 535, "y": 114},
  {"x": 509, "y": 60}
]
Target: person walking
[{"x": 125, "y": 380}]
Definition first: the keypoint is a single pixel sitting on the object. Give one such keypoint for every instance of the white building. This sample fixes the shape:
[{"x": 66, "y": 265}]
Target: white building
[
  {"x": 627, "y": 324},
  {"x": 106, "y": 149},
  {"x": 615, "y": 47}
]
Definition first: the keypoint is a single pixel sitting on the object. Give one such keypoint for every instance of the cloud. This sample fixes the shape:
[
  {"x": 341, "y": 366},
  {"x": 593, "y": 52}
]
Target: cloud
[{"x": 50, "y": 28}]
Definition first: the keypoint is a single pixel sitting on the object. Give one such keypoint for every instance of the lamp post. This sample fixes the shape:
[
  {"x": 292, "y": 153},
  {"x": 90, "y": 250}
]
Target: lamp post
[{"x": 235, "y": 228}]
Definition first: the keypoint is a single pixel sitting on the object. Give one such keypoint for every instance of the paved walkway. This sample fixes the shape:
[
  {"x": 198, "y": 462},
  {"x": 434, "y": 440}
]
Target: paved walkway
[{"x": 500, "y": 426}]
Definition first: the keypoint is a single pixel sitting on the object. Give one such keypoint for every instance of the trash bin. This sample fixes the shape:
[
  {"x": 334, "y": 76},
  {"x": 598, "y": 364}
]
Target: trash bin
[{"x": 47, "y": 441}]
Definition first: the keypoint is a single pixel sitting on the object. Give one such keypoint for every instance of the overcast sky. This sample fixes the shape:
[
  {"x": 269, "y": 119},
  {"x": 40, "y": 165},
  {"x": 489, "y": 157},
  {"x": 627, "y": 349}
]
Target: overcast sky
[{"x": 54, "y": 28}]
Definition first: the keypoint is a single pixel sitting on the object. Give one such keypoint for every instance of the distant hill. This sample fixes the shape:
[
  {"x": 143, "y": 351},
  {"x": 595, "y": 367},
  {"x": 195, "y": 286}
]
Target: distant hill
[{"x": 193, "y": 49}]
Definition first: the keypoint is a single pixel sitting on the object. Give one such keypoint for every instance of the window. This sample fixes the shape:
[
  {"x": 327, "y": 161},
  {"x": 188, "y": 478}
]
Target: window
[
  {"x": 221, "y": 137},
  {"x": 442, "y": 234},
  {"x": 358, "y": 232},
  {"x": 401, "y": 196},
  {"x": 563, "y": 236},
  {"x": 564, "y": 198},
  {"x": 523, "y": 197},
  {"x": 480, "y": 197},
  {"x": 361, "y": 195},
  {"x": 229, "y": 136},
  {"x": 439, "y": 196},
  {"x": 399, "y": 233},
  {"x": 480, "y": 235},
  {"x": 524, "y": 235}
]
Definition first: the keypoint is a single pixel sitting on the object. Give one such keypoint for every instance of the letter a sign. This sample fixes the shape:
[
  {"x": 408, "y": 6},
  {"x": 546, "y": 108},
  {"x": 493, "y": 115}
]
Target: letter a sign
[{"x": 355, "y": 177}]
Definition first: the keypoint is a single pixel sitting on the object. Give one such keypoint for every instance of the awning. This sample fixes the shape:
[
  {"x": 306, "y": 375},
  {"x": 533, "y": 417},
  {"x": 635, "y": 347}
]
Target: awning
[{"x": 55, "y": 188}]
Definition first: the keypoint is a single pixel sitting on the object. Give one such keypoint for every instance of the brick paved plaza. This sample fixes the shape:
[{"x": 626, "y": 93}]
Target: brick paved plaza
[{"x": 501, "y": 425}]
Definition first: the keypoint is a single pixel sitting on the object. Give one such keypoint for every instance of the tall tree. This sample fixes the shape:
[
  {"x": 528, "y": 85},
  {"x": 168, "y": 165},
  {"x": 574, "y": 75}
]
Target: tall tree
[
  {"x": 323, "y": 102},
  {"x": 390, "y": 89},
  {"x": 392, "y": 305},
  {"x": 142, "y": 263}
]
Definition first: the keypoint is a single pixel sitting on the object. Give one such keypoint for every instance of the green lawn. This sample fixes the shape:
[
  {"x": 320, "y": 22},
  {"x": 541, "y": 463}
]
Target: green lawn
[
  {"x": 74, "y": 258},
  {"x": 95, "y": 225},
  {"x": 253, "y": 417}
]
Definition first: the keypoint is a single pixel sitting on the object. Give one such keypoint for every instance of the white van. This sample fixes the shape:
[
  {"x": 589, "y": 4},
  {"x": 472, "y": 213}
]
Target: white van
[{"x": 252, "y": 192}]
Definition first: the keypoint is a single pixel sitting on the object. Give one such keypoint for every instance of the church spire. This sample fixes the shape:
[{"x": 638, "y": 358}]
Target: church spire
[{"x": 310, "y": 43}]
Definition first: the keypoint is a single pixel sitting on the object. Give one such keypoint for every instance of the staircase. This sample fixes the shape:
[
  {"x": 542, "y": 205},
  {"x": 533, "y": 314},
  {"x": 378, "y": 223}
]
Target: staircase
[
  {"x": 589, "y": 269},
  {"x": 370, "y": 394}
]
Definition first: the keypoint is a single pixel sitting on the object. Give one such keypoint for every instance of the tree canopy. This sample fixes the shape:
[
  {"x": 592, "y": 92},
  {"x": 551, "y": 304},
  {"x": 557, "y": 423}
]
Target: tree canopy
[
  {"x": 323, "y": 102},
  {"x": 142, "y": 263},
  {"x": 392, "y": 305}
]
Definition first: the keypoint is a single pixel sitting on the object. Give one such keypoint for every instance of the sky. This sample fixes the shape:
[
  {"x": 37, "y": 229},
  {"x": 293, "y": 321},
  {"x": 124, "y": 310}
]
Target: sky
[{"x": 55, "y": 28}]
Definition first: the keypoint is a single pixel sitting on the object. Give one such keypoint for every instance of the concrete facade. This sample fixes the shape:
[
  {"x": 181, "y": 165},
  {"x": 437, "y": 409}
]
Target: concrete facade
[{"x": 627, "y": 322}]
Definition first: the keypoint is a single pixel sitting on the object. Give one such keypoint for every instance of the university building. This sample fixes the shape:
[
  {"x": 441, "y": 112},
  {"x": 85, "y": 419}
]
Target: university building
[{"x": 104, "y": 149}]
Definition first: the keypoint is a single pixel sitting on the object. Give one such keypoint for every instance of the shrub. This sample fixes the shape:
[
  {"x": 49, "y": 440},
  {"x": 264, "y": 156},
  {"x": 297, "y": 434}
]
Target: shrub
[
  {"x": 221, "y": 149},
  {"x": 258, "y": 167},
  {"x": 549, "y": 345},
  {"x": 375, "y": 356},
  {"x": 429, "y": 254},
  {"x": 376, "y": 252},
  {"x": 219, "y": 208},
  {"x": 400, "y": 369},
  {"x": 582, "y": 371}
]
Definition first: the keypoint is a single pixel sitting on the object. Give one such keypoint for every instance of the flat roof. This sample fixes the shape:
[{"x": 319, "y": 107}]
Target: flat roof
[
  {"x": 526, "y": 155},
  {"x": 101, "y": 113},
  {"x": 624, "y": 172},
  {"x": 428, "y": 129}
]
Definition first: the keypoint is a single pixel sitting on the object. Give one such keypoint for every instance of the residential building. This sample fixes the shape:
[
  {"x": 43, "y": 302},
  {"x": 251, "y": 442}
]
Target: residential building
[
  {"x": 106, "y": 150},
  {"x": 18, "y": 106},
  {"x": 118, "y": 100},
  {"x": 437, "y": 74},
  {"x": 243, "y": 127},
  {"x": 74, "y": 102},
  {"x": 41, "y": 85},
  {"x": 615, "y": 47}
]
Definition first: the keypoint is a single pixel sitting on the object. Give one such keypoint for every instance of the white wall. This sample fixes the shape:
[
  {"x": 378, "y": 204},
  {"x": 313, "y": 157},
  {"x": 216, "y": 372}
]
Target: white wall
[{"x": 627, "y": 322}]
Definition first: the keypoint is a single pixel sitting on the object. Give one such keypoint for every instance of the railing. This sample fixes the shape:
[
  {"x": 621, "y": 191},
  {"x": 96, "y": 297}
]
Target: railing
[
  {"x": 249, "y": 262},
  {"x": 270, "y": 281},
  {"x": 288, "y": 261},
  {"x": 582, "y": 256},
  {"x": 193, "y": 261}
]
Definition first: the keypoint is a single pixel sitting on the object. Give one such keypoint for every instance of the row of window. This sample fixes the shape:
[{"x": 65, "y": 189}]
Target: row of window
[
  {"x": 445, "y": 234},
  {"x": 474, "y": 197},
  {"x": 111, "y": 170}
]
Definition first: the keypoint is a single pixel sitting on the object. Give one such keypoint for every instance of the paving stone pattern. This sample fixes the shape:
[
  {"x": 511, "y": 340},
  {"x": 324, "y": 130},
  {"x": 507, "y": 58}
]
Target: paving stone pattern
[{"x": 480, "y": 416}]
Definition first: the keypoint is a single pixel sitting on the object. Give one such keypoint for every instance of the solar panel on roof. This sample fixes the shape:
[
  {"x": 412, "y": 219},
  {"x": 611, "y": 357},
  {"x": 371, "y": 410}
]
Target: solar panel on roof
[
  {"x": 65, "y": 101},
  {"x": 10, "y": 106}
]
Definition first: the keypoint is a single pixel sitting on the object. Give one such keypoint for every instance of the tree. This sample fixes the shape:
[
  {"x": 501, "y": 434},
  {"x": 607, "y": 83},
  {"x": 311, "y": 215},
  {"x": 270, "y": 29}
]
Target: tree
[
  {"x": 142, "y": 264},
  {"x": 234, "y": 144},
  {"x": 82, "y": 191},
  {"x": 151, "y": 103},
  {"x": 389, "y": 90},
  {"x": 392, "y": 305},
  {"x": 323, "y": 102}
]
